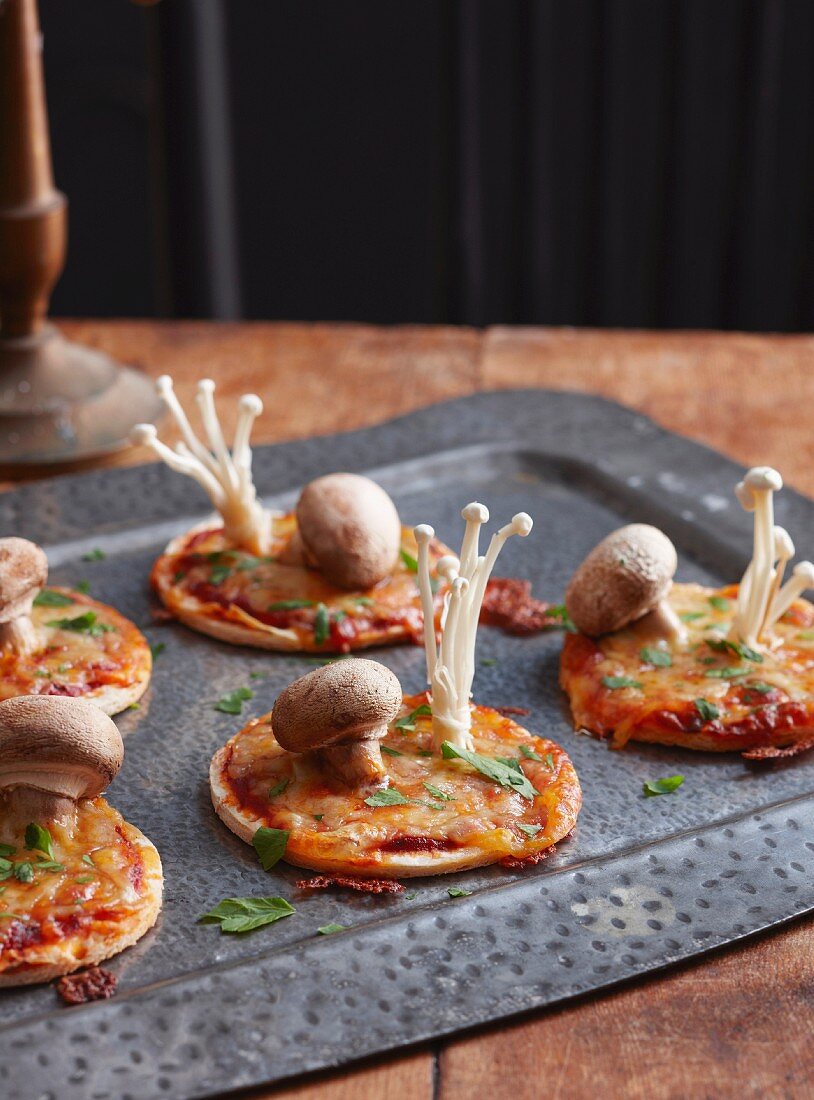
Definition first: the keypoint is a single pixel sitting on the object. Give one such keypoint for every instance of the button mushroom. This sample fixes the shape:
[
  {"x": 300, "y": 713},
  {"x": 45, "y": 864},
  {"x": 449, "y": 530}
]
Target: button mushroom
[
  {"x": 23, "y": 572},
  {"x": 350, "y": 530},
  {"x": 342, "y": 711},
  {"x": 626, "y": 577},
  {"x": 54, "y": 751}
]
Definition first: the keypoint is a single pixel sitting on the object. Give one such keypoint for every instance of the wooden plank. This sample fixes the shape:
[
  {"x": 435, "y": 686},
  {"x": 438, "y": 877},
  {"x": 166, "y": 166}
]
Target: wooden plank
[{"x": 408, "y": 1078}]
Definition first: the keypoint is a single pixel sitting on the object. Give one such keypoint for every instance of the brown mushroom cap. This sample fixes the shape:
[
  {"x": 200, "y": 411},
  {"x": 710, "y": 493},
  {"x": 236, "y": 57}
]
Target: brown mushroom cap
[
  {"x": 350, "y": 528},
  {"x": 23, "y": 572},
  {"x": 628, "y": 574},
  {"x": 66, "y": 747},
  {"x": 350, "y": 700}
]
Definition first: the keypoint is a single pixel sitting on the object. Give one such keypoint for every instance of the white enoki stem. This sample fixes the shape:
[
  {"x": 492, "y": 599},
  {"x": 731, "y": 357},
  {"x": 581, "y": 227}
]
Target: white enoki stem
[
  {"x": 451, "y": 667},
  {"x": 802, "y": 578},
  {"x": 225, "y": 477}
]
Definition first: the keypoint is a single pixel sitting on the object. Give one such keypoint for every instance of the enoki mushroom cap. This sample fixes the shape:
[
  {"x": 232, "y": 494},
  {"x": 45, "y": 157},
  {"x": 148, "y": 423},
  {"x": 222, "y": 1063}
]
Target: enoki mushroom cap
[
  {"x": 66, "y": 747},
  {"x": 350, "y": 529},
  {"x": 760, "y": 479},
  {"x": 628, "y": 574},
  {"x": 349, "y": 700},
  {"x": 23, "y": 572}
]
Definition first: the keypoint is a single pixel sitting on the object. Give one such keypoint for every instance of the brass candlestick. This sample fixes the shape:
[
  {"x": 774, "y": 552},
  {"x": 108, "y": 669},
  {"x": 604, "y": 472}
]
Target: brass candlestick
[{"x": 59, "y": 401}]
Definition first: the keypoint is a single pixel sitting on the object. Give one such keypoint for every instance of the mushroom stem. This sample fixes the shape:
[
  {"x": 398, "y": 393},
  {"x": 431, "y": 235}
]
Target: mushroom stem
[
  {"x": 25, "y": 804},
  {"x": 801, "y": 579},
  {"x": 356, "y": 763},
  {"x": 663, "y": 622},
  {"x": 20, "y": 636},
  {"x": 423, "y": 537},
  {"x": 225, "y": 477},
  {"x": 755, "y": 494}
]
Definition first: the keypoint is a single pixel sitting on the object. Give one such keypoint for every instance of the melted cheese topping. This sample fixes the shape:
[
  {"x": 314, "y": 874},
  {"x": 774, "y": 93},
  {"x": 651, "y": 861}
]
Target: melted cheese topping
[
  {"x": 74, "y": 663},
  {"x": 761, "y": 698},
  {"x": 63, "y": 909},
  {"x": 204, "y": 574},
  {"x": 327, "y": 821}
]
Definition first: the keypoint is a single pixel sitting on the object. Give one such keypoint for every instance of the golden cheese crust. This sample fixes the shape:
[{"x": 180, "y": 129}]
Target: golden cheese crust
[
  {"x": 98, "y": 895},
  {"x": 473, "y": 821},
  {"x": 102, "y": 657},
  {"x": 705, "y": 693},
  {"x": 232, "y": 595}
]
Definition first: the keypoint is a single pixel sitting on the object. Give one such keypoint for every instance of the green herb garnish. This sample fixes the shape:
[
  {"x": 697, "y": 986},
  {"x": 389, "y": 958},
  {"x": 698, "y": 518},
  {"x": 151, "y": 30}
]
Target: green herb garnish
[
  {"x": 667, "y": 785},
  {"x": 83, "y": 880},
  {"x": 726, "y": 673},
  {"x": 528, "y": 752},
  {"x": 708, "y": 711},
  {"x": 232, "y": 702},
  {"x": 24, "y": 872},
  {"x": 720, "y": 603},
  {"x": 51, "y": 598},
  {"x": 94, "y": 555},
  {"x": 219, "y": 573},
  {"x": 458, "y": 892},
  {"x": 363, "y": 601},
  {"x": 83, "y": 587},
  {"x": 616, "y": 682},
  {"x": 322, "y": 624},
  {"x": 724, "y": 645},
  {"x": 760, "y": 687},
  {"x": 549, "y": 759},
  {"x": 388, "y": 796},
  {"x": 38, "y": 839},
  {"x": 246, "y": 914},
  {"x": 278, "y": 788},
  {"x": 409, "y": 560},
  {"x": 83, "y": 624},
  {"x": 269, "y": 845},
  {"x": 690, "y": 616},
  {"x": 88, "y": 859},
  {"x": 493, "y": 769},
  {"x": 390, "y": 752},
  {"x": 658, "y": 657},
  {"x": 409, "y": 897},
  {"x": 558, "y": 611},
  {"x": 289, "y": 605},
  {"x": 157, "y": 649},
  {"x": 529, "y": 830},
  {"x": 7, "y": 850},
  {"x": 329, "y": 929},
  {"x": 436, "y": 792},
  {"x": 407, "y": 722},
  {"x": 487, "y": 662}
]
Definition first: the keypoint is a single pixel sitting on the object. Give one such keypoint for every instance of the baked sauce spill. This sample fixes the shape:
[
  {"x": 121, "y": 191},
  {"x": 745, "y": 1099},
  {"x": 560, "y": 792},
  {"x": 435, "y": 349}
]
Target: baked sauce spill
[
  {"x": 509, "y": 605},
  {"x": 93, "y": 984},
  {"x": 346, "y": 882}
]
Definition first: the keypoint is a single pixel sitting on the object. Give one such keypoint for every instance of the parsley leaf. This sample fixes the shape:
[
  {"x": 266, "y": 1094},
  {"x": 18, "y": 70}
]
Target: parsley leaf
[
  {"x": 409, "y": 560},
  {"x": 436, "y": 792},
  {"x": 94, "y": 555},
  {"x": 322, "y": 625},
  {"x": 458, "y": 892},
  {"x": 760, "y": 687},
  {"x": 7, "y": 850},
  {"x": 726, "y": 673},
  {"x": 388, "y": 796},
  {"x": 409, "y": 897},
  {"x": 289, "y": 605},
  {"x": 232, "y": 702},
  {"x": 529, "y": 830},
  {"x": 690, "y": 616},
  {"x": 269, "y": 845},
  {"x": 720, "y": 603},
  {"x": 390, "y": 752},
  {"x": 83, "y": 624},
  {"x": 246, "y": 914},
  {"x": 24, "y": 872},
  {"x": 708, "y": 711},
  {"x": 83, "y": 587},
  {"x": 724, "y": 645},
  {"x": 83, "y": 880},
  {"x": 529, "y": 753},
  {"x": 329, "y": 929},
  {"x": 549, "y": 759},
  {"x": 407, "y": 721},
  {"x": 278, "y": 788},
  {"x": 50, "y": 598},
  {"x": 670, "y": 783},
  {"x": 493, "y": 769},
  {"x": 651, "y": 655},
  {"x": 558, "y": 611},
  {"x": 38, "y": 839},
  {"x": 806, "y": 635},
  {"x": 615, "y": 682},
  {"x": 219, "y": 573},
  {"x": 157, "y": 649}
]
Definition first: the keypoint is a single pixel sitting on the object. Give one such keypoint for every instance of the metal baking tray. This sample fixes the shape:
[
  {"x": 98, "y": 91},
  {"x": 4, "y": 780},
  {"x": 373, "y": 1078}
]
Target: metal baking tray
[{"x": 644, "y": 882}]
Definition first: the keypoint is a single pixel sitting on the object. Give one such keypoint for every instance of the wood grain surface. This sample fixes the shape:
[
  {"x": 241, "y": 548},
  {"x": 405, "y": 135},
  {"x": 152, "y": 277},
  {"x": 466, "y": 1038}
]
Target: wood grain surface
[{"x": 738, "y": 1024}]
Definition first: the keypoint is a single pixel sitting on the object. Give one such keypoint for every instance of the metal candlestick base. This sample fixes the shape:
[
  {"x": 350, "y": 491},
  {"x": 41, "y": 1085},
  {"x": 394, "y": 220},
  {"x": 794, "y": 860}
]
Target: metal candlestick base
[{"x": 62, "y": 402}]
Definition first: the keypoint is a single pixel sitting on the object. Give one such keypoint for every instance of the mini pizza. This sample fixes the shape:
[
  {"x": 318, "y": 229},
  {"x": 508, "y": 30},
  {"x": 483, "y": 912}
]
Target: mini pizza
[
  {"x": 55, "y": 641},
  {"x": 719, "y": 670},
  {"x": 78, "y": 884},
  {"x": 335, "y": 575},
  {"x": 360, "y": 781}
]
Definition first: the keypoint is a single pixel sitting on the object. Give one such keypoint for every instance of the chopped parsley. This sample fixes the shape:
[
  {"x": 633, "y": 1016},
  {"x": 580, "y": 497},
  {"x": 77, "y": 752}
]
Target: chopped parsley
[
  {"x": 390, "y": 752},
  {"x": 24, "y": 872},
  {"x": 83, "y": 880},
  {"x": 458, "y": 892},
  {"x": 157, "y": 649},
  {"x": 549, "y": 759},
  {"x": 83, "y": 624},
  {"x": 409, "y": 560},
  {"x": 651, "y": 655},
  {"x": 219, "y": 574},
  {"x": 246, "y": 914},
  {"x": 329, "y": 929},
  {"x": 529, "y": 753},
  {"x": 83, "y": 587},
  {"x": 760, "y": 687},
  {"x": 667, "y": 785},
  {"x": 388, "y": 796},
  {"x": 806, "y": 635},
  {"x": 409, "y": 897},
  {"x": 86, "y": 858},
  {"x": 232, "y": 701},
  {"x": 322, "y": 624},
  {"x": 507, "y": 776},
  {"x": 407, "y": 721},
  {"x": 278, "y": 788},
  {"x": 318, "y": 817},
  {"x": 269, "y": 845},
  {"x": 559, "y": 612},
  {"x": 487, "y": 662},
  {"x": 720, "y": 603},
  {"x": 616, "y": 682},
  {"x": 691, "y": 616},
  {"x": 38, "y": 839},
  {"x": 363, "y": 601},
  {"x": 529, "y": 830},
  {"x": 94, "y": 555},
  {"x": 289, "y": 605},
  {"x": 7, "y": 850},
  {"x": 51, "y": 598},
  {"x": 436, "y": 792},
  {"x": 724, "y": 645},
  {"x": 726, "y": 673},
  {"x": 708, "y": 711}
]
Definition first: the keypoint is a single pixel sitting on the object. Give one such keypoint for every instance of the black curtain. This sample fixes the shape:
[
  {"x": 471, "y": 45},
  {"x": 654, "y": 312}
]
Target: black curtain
[{"x": 583, "y": 162}]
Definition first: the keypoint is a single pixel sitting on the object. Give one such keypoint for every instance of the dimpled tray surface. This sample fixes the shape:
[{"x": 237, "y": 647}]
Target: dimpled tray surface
[{"x": 642, "y": 883}]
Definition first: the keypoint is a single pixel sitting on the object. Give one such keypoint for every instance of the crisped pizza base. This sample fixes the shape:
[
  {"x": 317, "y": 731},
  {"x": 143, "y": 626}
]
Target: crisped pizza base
[
  {"x": 108, "y": 664},
  {"x": 471, "y": 823},
  {"x": 756, "y": 703},
  {"x": 264, "y": 602},
  {"x": 87, "y": 911}
]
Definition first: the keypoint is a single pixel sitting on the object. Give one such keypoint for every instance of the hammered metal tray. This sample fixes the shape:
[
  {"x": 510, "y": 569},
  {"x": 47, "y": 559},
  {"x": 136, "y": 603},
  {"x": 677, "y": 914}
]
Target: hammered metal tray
[{"x": 642, "y": 883}]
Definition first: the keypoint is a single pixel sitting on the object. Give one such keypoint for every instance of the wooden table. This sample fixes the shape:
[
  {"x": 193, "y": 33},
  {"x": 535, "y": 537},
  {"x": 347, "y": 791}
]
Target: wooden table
[{"x": 738, "y": 1024}]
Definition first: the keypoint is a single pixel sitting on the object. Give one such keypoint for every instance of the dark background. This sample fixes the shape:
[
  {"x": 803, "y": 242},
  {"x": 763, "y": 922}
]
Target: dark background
[{"x": 590, "y": 162}]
